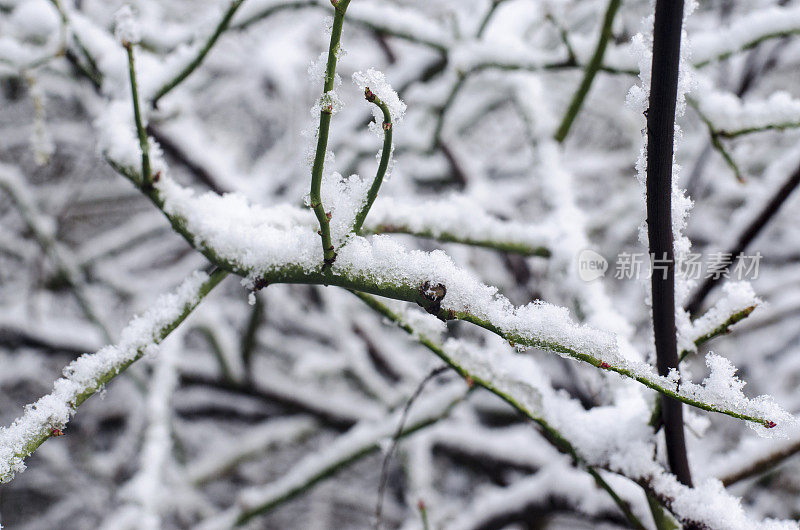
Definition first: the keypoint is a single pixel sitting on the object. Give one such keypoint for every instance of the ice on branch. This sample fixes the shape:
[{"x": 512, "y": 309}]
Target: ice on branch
[
  {"x": 377, "y": 83},
  {"x": 126, "y": 29}
]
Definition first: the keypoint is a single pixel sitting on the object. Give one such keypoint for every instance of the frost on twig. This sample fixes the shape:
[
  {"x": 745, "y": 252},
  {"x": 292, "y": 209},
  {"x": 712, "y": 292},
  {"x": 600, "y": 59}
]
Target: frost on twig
[
  {"x": 89, "y": 373},
  {"x": 363, "y": 438}
]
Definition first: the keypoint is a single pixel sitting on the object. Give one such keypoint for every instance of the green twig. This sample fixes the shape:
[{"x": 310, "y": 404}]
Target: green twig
[
  {"x": 550, "y": 433},
  {"x": 716, "y": 143},
  {"x": 340, "y": 7},
  {"x": 562, "y": 33},
  {"x": 249, "y": 339},
  {"x": 488, "y": 17},
  {"x": 513, "y": 247},
  {"x": 90, "y": 70},
  {"x": 589, "y": 72},
  {"x": 201, "y": 54},
  {"x": 98, "y": 383},
  {"x": 662, "y": 519},
  {"x": 409, "y": 292},
  {"x": 383, "y": 165},
  {"x": 722, "y": 329},
  {"x": 146, "y": 177}
]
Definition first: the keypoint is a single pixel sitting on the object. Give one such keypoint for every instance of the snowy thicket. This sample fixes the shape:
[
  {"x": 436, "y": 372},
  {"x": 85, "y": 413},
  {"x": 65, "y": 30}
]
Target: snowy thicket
[{"x": 351, "y": 231}]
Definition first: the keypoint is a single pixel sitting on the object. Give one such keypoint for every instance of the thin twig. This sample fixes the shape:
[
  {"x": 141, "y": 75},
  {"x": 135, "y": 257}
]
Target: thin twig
[
  {"x": 146, "y": 177},
  {"x": 201, "y": 53},
  {"x": 753, "y": 229},
  {"x": 589, "y": 72},
  {"x": 384, "y": 478},
  {"x": 326, "y": 112},
  {"x": 383, "y": 165}
]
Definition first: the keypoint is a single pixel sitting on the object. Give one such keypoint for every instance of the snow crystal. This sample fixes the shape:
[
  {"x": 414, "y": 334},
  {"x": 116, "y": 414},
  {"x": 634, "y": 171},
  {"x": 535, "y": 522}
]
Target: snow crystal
[
  {"x": 343, "y": 197},
  {"x": 84, "y": 374},
  {"x": 34, "y": 20},
  {"x": 126, "y": 29},
  {"x": 329, "y": 102},
  {"x": 377, "y": 83},
  {"x": 456, "y": 216},
  {"x": 729, "y": 114}
]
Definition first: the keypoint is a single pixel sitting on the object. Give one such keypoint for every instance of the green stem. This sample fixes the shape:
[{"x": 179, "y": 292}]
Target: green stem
[
  {"x": 514, "y": 247},
  {"x": 249, "y": 339},
  {"x": 655, "y": 417},
  {"x": 589, "y": 73},
  {"x": 340, "y": 7},
  {"x": 355, "y": 451},
  {"x": 201, "y": 54},
  {"x": 406, "y": 291},
  {"x": 488, "y": 17},
  {"x": 137, "y": 116},
  {"x": 550, "y": 433},
  {"x": 662, "y": 518},
  {"x": 716, "y": 143},
  {"x": 46, "y": 431},
  {"x": 90, "y": 69},
  {"x": 386, "y": 155}
]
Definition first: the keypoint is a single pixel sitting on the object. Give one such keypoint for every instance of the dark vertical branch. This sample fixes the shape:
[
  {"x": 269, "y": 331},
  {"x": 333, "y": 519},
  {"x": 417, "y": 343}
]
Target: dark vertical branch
[{"x": 660, "y": 139}]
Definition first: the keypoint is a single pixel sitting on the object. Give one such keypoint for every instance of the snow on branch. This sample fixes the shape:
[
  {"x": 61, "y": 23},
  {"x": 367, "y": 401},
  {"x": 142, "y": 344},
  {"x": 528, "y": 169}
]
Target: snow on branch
[
  {"x": 730, "y": 117},
  {"x": 91, "y": 372},
  {"x": 247, "y": 241},
  {"x": 744, "y": 33},
  {"x": 614, "y": 437},
  {"x": 459, "y": 219},
  {"x": 364, "y": 438}
]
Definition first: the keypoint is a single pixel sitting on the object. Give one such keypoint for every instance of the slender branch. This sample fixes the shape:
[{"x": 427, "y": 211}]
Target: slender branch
[
  {"x": 90, "y": 69},
  {"x": 383, "y": 165},
  {"x": 362, "y": 440},
  {"x": 65, "y": 263},
  {"x": 90, "y": 373},
  {"x": 249, "y": 338},
  {"x": 719, "y": 330},
  {"x": 488, "y": 17},
  {"x": 340, "y": 7},
  {"x": 564, "y": 36},
  {"x": 589, "y": 72},
  {"x": 513, "y": 247},
  {"x": 660, "y": 156},
  {"x": 747, "y": 236},
  {"x": 201, "y": 53},
  {"x": 384, "y": 478},
  {"x": 661, "y": 518},
  {"x": 406, "y": 289},
  {"x": 716, "y": 143},
  {"x": 371, "y": 20},
  {"x": 723, "y": 328},
  {"x": 472, "y": 377},
  {"x": 762, "y": 464},
  {"x": 144, "y": 144}
]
